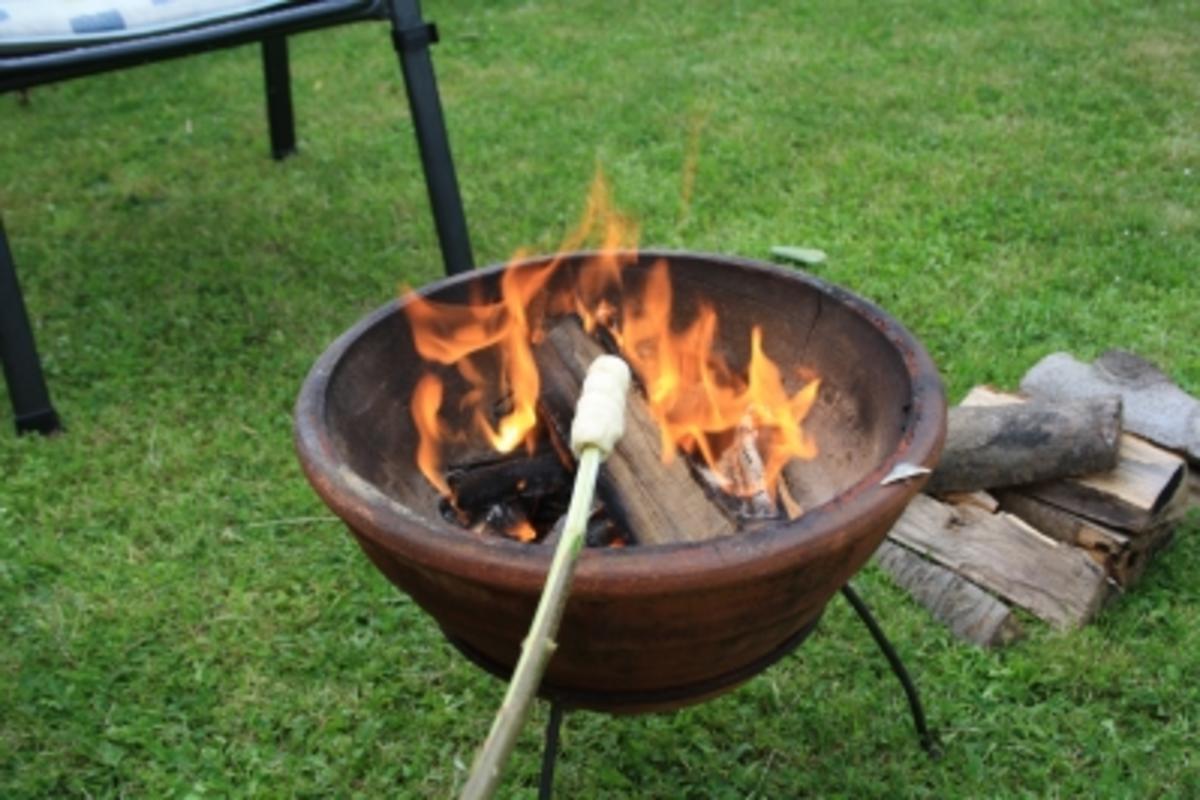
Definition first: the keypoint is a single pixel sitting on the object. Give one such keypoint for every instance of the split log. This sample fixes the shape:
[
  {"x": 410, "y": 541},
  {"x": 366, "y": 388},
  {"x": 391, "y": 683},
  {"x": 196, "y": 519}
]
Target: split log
[
  {"x": 1155, "y": 407},
  {"x": 1006, "y": 445},
  {"x": 1129, "y": 497},
  {"x": 1194, "y": 488},
  {"x": 657, "y": 503},
  {"x": 1123, "y": 560},
  {"x": 999, "y": 552},
  {"x": 970, "y": 613}
]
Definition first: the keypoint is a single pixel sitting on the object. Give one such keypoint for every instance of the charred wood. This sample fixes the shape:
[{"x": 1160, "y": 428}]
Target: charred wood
[{"x": 504, "y": 479}]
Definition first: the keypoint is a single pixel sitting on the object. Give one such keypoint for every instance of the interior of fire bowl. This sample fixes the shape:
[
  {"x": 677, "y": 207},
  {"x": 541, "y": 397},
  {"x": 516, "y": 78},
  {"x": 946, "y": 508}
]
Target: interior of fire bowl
[{"x": 647, "y": 627}]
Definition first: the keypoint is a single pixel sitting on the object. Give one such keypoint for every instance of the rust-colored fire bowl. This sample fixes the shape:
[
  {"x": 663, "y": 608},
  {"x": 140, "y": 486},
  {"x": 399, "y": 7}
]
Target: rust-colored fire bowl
[{"x": 647, "y": 626}]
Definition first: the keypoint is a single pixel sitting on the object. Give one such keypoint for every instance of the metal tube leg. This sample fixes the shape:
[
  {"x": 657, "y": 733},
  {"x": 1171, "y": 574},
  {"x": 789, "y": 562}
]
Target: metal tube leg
[
  {"x": 279, "y": 97},
  {"x": 550, "y": 751},
  {"x": 412, "y": 37},
  {"x": 22, "y": 369},
  {"x": 910, "y": 689}
]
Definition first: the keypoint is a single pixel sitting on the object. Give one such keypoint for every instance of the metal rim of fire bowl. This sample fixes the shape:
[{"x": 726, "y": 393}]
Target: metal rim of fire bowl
[{"x": 629, "y": 571}]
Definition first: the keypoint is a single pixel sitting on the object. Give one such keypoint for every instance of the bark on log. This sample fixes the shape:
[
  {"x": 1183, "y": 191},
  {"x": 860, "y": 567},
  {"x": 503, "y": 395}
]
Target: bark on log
[
  {"x": 1055, "y": 582},
  {"x": 1129, "y": 497},
  {"x": 1155, "y": 407},
  {"x": 1006, "y": 445},
  {"x": 657, "y": 503},
  {"x": 970, "y": 613}
]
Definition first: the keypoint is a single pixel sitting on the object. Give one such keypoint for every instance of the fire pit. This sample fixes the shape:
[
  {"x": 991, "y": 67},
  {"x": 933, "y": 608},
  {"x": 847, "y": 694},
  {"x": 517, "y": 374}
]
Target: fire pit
[{"x": 647, "y": 627}]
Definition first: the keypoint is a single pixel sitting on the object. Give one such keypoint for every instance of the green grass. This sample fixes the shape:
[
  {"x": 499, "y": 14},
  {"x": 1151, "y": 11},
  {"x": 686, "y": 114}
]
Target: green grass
[{"x": 180, "y": 618}]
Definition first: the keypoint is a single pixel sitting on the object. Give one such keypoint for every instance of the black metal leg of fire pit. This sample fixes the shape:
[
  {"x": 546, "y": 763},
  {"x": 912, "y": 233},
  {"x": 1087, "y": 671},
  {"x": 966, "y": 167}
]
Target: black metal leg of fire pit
[
  {"x": 550, "y": 751},
  {"x": 910, "y": 689}
]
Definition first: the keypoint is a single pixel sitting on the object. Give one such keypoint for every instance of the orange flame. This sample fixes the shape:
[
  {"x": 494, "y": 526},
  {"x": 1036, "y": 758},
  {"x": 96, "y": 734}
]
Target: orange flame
[
  {"x": 697, "y": 398},
  {"x": 460, "y": 336}
]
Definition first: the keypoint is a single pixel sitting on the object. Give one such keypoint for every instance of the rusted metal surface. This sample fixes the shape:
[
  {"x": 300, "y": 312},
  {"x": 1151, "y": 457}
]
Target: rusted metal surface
[{"x": 649, "y": 620}]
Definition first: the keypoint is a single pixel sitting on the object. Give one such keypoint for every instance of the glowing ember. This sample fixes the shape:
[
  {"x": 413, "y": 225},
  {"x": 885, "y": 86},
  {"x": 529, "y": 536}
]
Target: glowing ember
[
  {"x": 522, "y": 531},
  {"x": 701, "y": 404}
]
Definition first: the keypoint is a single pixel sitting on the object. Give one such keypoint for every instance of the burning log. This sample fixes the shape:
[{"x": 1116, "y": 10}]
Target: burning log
[
  {"x": 999, "y": 552},
  {"x": 1155, "y": 407},
  {"x": 1005, "y": 445},
  {"x": 656, "y": 502},
  {"x": 600, "y": 531},
  {"x": 504, "y": 479},
  {"x": 971, "y": 613},
  {"x": 1130, "y": 497}
]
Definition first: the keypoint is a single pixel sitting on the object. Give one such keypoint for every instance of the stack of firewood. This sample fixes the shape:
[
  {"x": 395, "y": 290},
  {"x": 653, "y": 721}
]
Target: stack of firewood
[{"x": 1053, "y": 500}]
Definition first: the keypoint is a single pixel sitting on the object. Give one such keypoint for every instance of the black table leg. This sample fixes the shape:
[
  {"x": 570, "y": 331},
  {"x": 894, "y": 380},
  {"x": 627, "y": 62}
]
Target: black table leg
[
  {"x": 412, "y": 37},
  {"x": 279, "y": 96},
  {"x": 22, "y": 369}
]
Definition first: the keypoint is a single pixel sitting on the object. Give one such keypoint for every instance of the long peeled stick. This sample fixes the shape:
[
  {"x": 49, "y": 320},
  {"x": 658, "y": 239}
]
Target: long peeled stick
[{"x": 599, "y": 422}]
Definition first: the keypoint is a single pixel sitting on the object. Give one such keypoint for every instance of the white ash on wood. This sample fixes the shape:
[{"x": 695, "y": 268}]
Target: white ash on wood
[{"x": 970, "y": 613}]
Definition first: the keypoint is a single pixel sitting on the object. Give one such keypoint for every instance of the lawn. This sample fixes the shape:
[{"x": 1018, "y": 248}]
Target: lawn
[{"x": 181, "y": 617}]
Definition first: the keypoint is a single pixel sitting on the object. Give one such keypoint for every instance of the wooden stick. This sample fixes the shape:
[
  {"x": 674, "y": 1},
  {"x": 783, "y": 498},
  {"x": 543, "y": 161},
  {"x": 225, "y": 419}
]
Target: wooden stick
[{"x": 599, "y": 423}]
